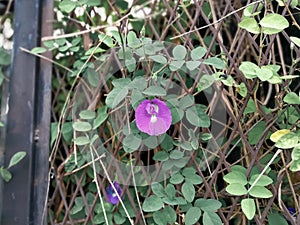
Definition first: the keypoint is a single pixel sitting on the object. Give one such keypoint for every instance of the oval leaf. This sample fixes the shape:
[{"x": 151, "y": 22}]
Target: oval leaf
[
  {"x": 16, "y": 158},
  {"x": 236, "y": 189},
  {"x": 292, "y": 98},
  {"x": 289, "y": 140},
  {"x": 155, "y": 91},
  {"x": 87, "y": 114},
  {"x": 248, "y": 208},
  {"x": 278, "y": 134},
  {"x": 273, "y": 23},
  {"x": 198, "y": 53},
  {"x": 211, "y": 218},
  {"x": 214, "y": 61},
  {"x": 188, "y": 191},
  {"x": 260, "y": 192},
  {"x": 132, "y": 142},
  {"x": 159, "y": 59},
  {"x": 179, "y": 52},
  {"x": 192, "y": 216},
  {"x": 82, "y": 140},
  {"x": 82, "y": 126},
  {"x": 235, "y": 177},
  {"x": 250, "y": 25},
  {"x": 5, "y": 174},
  {"x": 152, "y": 204},
  {"x": 116, "y": 96}
]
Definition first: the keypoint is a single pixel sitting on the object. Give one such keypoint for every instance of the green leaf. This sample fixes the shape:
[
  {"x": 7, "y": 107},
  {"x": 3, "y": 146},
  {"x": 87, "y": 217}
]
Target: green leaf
[
  {"x": 81, "y": 140},
  {"x": 101, "y": 117},
  {"x": 242, "y": 89},
  {"x": 106, "y": 39},
  {"x": 211, "y": 218},
  {"x": 210, "y": 205},
  {"x": 161, "y": 156},
  {"x": 159, "y": 59},
  {"x": 1, "y": 80},
  {"x": 236, "y": 177},
  {"x": 263, "y": 180},
  {"x": 118, "y": 218},
  {"x": 152, "y": 204},
  {"x": 239, "y": 168},
  {"x": 249, "y": 10},
  {"x": 292, "y": 98},
  {"x": 188, "y": 191},
  {"x": 264, "y": 74},
  {"x": 249, "y": 69},
  {"x": 288, "y": 140},
  {"x": 236, "y": 189},
  {"x": 179, "y": 52},
  {"x": 260, "y": 192},
  {"x": 78, "y": 206},
  {"x": 192, "y": 65},
  {"x": 38, "y": 50},
  {"x": 130, "y": 64},
  {"x": 205, "y": 82},
  {"x": 155, "y": 91},
  {"x": 276, "y": 219},
  {"x": 177, "y": 114},
  {"x": 193, "y": 178},
  {"x": 250, "y": 25},
  {"x": 256, "y": 132},
  {"x": 176, "y": 178},
  {"x": 121, "y": 82},
  {"x": 198, "y": 53},
  {"x": 186, "y": 145},
  {"x": 251, "y": 107},
  {"x": 82, "y": 126},
  {"x": 176, "y": 65},
  {"x": 158, "y": 190},
  {"x": 5, "y": 57},
  {"x": 132, "y": 142},
  {"x": 87, "y": 114},
  {"x": 216, "y": 62},
  {"x": 197, "y": 116},
  {"x": 138, "y": 83},
  {"x": 248, "y": 208},
  {"x": 116, "y": 96},
  {"x": 176, "y": 154},
  {"x": 166, "y": 216},
  {"x": 192, "y": 216},
  {"x": 132, "y": 40},
  {"x": 186, "y": 101},
  {"x": 151, "y": 142},
  {"x": 295, "y": 165},
  {"x": 92, "y": 77},
  {"x": 67, "y": 6},
  {"x": 5, "y": 174},
  {"x": 136, "y": 98},
  {"x": 16, "y": 158},
  {"x": 273, "y": 23},
  {"x": 296, "y": 41}
]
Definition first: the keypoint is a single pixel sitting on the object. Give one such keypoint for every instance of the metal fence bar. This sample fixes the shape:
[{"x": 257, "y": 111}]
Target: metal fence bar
[{"x": 28, "y": 119}]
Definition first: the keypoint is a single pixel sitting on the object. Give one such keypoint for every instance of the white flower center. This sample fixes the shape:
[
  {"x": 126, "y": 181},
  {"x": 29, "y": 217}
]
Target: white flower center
[{"x": 153, "y": 118}]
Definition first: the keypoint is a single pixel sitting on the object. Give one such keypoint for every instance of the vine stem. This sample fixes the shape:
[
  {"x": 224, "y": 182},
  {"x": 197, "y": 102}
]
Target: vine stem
[
  {"x": 217, "y": 21},
  {"x": 98, "y": 188},
  {"x": 265, "y": 169}
]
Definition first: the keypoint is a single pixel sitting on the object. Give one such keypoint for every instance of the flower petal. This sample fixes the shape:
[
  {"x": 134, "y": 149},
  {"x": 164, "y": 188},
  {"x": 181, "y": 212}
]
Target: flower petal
[{"x": 144, "y": 122}]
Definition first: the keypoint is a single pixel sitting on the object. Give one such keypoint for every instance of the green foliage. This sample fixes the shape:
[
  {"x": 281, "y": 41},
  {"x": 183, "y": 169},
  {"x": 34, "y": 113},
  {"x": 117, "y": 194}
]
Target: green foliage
[
  {"x": 15, "y": 159},
  {"x": 255, "y": 187}
]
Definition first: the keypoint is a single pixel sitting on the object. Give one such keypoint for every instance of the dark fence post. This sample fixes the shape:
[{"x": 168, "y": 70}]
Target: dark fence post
[{"x": 28, "y": 121}]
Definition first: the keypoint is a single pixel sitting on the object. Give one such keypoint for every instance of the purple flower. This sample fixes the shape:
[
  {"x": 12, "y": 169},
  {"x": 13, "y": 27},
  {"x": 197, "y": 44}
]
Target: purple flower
[
  {"x": 111, "y": 194},
  {"x": 153, "y": 117}
]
